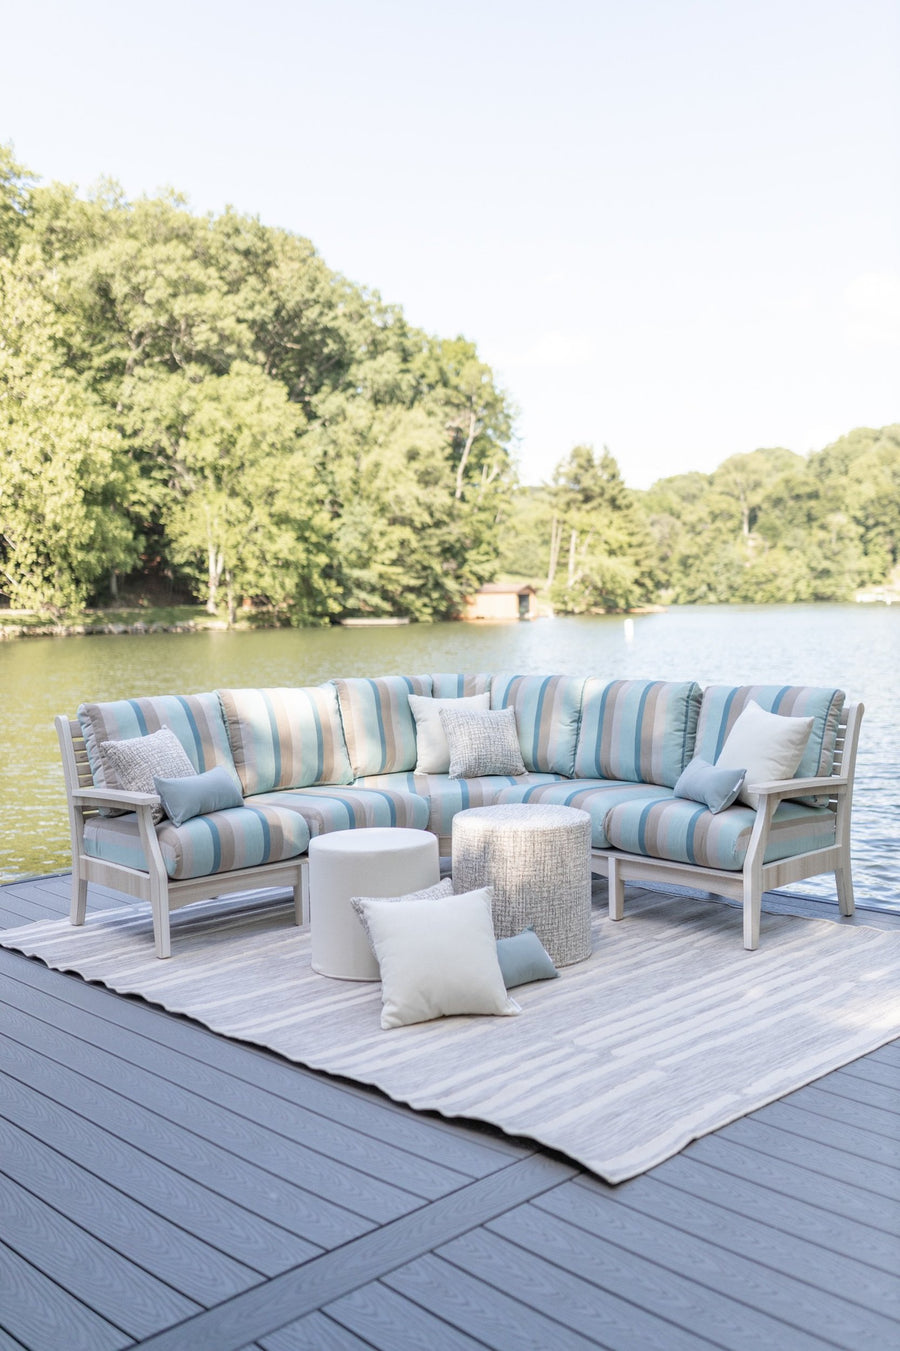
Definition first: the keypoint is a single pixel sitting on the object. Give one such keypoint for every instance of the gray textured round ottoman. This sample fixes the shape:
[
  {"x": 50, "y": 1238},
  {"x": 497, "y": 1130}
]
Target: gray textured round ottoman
[{"x": 538, "y": 860}]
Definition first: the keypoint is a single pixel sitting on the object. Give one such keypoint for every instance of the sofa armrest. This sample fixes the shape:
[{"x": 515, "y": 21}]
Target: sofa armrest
[
  {"x": 113, "y": 797},
  {"x": 782, "y": 788}
]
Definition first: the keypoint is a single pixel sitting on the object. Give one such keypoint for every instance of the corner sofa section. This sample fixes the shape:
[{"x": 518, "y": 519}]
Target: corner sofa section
[{"x": 342, "y": 755}]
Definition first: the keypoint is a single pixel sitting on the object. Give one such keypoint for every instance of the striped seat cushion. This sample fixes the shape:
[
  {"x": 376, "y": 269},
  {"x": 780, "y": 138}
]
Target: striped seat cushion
[
  {"x": 445, "y": 686},
  {"x": 685, "y": 832},
  {"x": 285, "y": 738},
  {"x": 594, "y": 796},
  {"x": 379, "y": 727},
  {"x": 327, "y": 809},
  {"x": 240, "y": 837},
  {"x": 448, "y": 796},
  {"x": 722, "y": 705},
  {"x": 639, "y": 730},
  {"x": 548, "y": 709}
]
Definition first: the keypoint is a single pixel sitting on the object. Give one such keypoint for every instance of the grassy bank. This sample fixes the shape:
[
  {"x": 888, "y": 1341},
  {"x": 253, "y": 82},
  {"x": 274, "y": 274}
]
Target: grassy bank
[{"x": 136, "y": 618}]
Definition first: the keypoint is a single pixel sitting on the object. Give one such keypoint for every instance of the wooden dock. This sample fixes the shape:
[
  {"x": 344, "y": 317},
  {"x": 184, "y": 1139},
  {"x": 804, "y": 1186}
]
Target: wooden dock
[{"x": 165, "y": 1188}]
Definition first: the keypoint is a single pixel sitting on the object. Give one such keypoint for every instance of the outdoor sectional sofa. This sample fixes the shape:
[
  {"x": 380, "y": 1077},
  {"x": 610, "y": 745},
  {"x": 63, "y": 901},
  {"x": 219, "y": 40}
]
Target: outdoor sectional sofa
[{"x": 343, "y": 755}]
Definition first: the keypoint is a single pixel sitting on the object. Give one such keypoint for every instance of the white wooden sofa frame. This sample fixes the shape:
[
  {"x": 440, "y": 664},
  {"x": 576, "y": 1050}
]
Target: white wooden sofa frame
[
  {"x": 163, "y": 893},
  {"x": 756, "y": 877}
]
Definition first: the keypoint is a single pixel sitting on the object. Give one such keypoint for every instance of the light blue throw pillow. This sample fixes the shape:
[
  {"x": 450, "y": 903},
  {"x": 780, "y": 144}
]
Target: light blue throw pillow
[
  {"x": 183, "y": 799},
  {"x": 710, "y": 784},
  {"x": 524, "y": 958}
]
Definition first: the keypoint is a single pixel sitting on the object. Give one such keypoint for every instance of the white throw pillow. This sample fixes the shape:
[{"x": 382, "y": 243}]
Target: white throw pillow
[
  {"x": 432, "y": 751},
  {"x": 768, "y": 745},
  {"x": 483, "y": 742},
  {"x": 438, "y": 957}
]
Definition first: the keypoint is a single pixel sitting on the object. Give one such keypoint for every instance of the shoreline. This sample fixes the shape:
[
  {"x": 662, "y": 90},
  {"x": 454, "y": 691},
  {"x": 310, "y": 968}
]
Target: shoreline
[
  {"x": 115, "y": 628},
  {"x": 10, "y": 632}
]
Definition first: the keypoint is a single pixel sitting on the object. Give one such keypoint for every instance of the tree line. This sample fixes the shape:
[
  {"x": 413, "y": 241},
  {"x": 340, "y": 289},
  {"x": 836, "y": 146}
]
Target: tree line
[
  {"x": 767, "y": 526},
  {"x": 200, "y": 400},
  {"x": 197, "y": 404}
]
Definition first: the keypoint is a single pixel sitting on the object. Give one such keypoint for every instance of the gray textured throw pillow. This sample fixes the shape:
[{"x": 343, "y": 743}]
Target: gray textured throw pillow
[
  {"x": 436, "y": 891},
  {"x": 135, "y": 762},
  {"x": 482, "y": 742}
]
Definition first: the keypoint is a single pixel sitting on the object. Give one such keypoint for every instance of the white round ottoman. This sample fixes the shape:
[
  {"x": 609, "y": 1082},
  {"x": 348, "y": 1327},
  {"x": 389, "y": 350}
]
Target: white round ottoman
[
  {"x": 538, "y": 860},
  {"x": 373, "y": 861}
]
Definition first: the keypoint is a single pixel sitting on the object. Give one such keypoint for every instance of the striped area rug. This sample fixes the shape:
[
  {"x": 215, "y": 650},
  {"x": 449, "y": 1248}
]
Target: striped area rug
[{"x": 670, "y": 1030}]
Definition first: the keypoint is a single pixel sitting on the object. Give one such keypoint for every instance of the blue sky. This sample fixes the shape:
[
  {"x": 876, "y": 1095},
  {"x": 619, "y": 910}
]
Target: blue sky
[{"x": 671, "y": 228}]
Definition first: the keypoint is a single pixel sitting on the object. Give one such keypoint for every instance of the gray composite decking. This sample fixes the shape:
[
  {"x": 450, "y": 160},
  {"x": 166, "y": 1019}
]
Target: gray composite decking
[{"x": 163, "y": 1187}]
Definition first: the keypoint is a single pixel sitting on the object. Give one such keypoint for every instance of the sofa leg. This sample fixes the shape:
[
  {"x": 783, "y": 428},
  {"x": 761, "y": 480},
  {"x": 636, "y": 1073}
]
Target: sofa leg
[
  {"x": 752, "y": 911},
  {"x": 844, "y": 882},
  {"x": 162, "y": 937},
  {"x": 78, "y": 908},
  {"x": 301, "y": 894},
  {"x": 616, "y": 892}
]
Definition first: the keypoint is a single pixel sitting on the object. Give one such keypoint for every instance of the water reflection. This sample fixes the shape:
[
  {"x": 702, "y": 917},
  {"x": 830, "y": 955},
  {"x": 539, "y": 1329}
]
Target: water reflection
[{"x": 854, "y": 647}]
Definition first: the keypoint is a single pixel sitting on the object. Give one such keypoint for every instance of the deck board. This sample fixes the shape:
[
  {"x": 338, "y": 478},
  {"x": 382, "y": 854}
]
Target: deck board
[
  {"x": 482, "y": 1310},
  {"x": 163, "y": 1187},
  {"x": 218, "y": 1201},
  {"x": 42, "y": 1316},
  {"x": 780, "y": 1214},
  {"x": 137, "y": 1069},
  {"x": 815, "y": 1099},
  {"x": 510, "y": 1256},
  {"x": 738, "y": 1262},
  {"x": 382, "y": 1319},
  {"x": 125, "y": 1294},
  {"x": 836, "y": 1199},
  {"x": 319, "y": 1332},
  {"x": 677, "y": 1277},
  {"x": 278, "y": 1136}
]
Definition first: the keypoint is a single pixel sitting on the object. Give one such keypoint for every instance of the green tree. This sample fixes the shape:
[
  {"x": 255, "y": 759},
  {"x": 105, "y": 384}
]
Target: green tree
[
  {"x": 15, "y": 196},
  {"x": 742, "y": 480},
  {"x": 236, "y": 490},
  {"x": 63, "y": 476},
  {"x": 600, "y": 549}
]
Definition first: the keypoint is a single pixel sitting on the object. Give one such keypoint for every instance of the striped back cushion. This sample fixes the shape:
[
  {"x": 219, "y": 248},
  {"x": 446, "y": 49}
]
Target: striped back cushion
[
  {"x": 641, "y": 731},
  {"x": 379, "y": 727},
  {"x": 285, "y": 738},
  {"x": 459, "y": 686},
  {"x": 196, "y": 719},
  {"x": 722, "y": 705},
  {"x": 547, "y": 711}
]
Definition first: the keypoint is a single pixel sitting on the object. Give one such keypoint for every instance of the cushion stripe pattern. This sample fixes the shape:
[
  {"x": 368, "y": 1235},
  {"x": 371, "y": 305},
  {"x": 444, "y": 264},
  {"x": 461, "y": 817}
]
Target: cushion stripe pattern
[
  {"x": 722, "y": 705},
  {"x": 688, "y": 832},
  {"x": 446, "y": 686},
  {"x": 351, "y": 808},
  {"x": 221, "y": 842},
  {"x": 594, "y": 796},
  {"x": 285, "y": 738},
  {"x": 196, "y": 720},
  {"x": 379, "y": 727},
  {"x": 548, "y": 710},
  {"x": 642, "y": 731},
  {"x": 448, "y": 796}
]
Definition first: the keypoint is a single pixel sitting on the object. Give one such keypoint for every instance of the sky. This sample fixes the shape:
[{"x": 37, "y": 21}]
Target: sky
[{"x": 671, "y": 227}]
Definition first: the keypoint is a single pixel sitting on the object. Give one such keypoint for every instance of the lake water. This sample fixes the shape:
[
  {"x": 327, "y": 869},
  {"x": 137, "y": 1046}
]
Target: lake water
[{"x": 854, "y": 647}]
